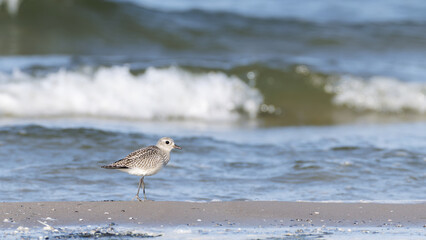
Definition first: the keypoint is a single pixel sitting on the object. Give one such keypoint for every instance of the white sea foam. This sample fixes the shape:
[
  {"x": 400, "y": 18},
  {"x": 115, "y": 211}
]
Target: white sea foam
[
  {"x": 115, "y": 92},
  {"x": 12, "y": 6},
  {"x": 380, "y": 94}
]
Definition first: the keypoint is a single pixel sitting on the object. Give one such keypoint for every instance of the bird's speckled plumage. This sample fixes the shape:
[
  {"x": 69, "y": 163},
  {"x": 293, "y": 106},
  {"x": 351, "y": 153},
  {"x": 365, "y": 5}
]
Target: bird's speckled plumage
[
  {"x": 151, "y": 157},
  {"x": 146, "y": 161}
]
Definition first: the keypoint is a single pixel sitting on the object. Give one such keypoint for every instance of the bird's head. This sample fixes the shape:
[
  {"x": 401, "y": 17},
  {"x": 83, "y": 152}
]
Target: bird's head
[{"x": 167, "y": 144}]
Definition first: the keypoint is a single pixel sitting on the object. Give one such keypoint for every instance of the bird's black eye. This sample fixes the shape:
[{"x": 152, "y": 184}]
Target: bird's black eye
[{"x": 167, "y": 142}]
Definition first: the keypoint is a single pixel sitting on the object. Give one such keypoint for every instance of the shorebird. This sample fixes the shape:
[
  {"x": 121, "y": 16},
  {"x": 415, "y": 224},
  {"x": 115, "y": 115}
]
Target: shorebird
[{"x": 146, "y": 161}]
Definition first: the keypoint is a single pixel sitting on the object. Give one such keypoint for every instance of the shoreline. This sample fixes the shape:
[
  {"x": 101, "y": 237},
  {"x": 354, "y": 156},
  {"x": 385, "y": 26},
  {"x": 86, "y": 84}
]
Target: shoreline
[{"x": 212, "y": 214}]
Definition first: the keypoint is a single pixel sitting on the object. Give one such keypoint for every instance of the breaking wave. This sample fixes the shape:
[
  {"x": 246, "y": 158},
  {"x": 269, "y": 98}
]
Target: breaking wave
[
  {"x": 168, "y": 93},
  {"x": 381, "y": 94},
  {"x": 290, "y": 96}
]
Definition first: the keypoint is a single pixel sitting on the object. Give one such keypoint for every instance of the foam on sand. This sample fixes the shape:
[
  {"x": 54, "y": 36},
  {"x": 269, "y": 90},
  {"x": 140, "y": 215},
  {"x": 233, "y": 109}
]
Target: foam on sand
[{"x": 117, "y": 93}]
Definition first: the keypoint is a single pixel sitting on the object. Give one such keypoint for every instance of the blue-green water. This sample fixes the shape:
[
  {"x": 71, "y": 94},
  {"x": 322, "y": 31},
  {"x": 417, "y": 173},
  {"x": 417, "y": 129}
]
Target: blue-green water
[{"x": 270, "y": 100}]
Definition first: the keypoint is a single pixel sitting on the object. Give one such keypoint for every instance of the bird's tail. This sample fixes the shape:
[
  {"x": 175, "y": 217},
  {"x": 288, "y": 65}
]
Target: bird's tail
[
  {"x": 114, "y": 165},
  {"x": 108, "y": 166}
]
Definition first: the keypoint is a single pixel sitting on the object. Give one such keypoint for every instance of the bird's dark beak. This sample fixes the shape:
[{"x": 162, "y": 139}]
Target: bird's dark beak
[{"x": 176, "y": 146}]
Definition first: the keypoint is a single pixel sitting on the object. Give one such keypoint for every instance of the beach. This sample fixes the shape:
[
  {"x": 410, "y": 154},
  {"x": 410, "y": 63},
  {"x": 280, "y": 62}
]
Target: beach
[
  {"x": 211, "y": 214},
  {"x": 210, "y": 219}
]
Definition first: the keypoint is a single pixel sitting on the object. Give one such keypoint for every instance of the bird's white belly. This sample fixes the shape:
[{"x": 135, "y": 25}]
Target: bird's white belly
[{"x": 142, "y": 172}]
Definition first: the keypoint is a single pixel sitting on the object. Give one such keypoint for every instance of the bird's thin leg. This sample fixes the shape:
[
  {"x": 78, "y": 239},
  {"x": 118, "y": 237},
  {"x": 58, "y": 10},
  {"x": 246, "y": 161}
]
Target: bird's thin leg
[
  {"x": 139, "y": 187},
  {"x": 143, "y": 185}
]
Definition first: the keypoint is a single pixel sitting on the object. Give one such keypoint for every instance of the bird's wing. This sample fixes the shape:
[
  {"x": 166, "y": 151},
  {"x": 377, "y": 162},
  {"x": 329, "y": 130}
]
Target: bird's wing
[{"x": 148, "y": 155}]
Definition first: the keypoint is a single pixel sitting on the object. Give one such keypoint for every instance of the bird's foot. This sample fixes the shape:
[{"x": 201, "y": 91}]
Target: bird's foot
[{"x": 137, "y": 198}]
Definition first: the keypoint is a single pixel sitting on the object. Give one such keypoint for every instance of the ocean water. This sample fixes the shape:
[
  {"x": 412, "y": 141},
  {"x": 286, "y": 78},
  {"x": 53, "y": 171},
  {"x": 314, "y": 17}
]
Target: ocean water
[{"x": 270, "y": 100}]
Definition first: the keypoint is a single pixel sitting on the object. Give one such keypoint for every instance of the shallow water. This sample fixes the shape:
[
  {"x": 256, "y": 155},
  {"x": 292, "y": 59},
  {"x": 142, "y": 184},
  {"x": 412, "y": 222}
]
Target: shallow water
[{"x": 353, "y": 162}]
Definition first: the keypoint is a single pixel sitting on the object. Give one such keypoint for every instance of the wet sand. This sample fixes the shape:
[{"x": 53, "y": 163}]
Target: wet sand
[{"x": 212, "y": 214}]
